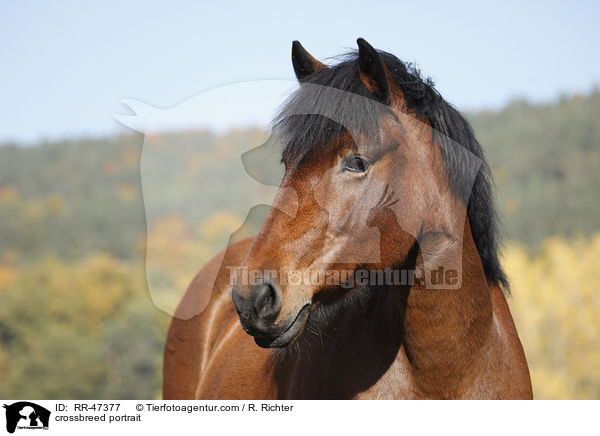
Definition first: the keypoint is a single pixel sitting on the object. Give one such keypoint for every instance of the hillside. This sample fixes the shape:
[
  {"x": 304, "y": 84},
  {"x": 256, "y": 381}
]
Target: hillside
[
  {"x": 546, "y": 162},
  {"x": 78, "y": 310},
  {"x": 74, "y": 197}
]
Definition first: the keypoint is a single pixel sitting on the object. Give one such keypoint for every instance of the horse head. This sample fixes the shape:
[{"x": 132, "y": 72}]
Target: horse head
[{"x": 373, "y": 181}]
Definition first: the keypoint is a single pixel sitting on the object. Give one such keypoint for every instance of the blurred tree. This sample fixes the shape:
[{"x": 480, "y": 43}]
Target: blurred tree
[
  {"x": 556, "y": 306},
  {"x": 79, "y": 330}
]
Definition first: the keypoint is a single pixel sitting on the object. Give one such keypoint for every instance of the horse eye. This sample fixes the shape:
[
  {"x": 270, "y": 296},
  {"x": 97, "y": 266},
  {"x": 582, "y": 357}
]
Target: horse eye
[{"x": 356, "y": 164}]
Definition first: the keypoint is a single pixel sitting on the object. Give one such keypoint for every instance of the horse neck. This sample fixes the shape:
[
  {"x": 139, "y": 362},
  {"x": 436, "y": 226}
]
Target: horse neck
[
  {"x": 433, "y": 332},
  {"x": 444, "y": 328}
]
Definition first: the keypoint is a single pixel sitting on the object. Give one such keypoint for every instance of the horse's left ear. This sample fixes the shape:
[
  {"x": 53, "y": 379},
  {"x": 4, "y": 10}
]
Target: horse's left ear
[
  {"x": 304, "y": 63},
  {"x": 373, "y": 72}
]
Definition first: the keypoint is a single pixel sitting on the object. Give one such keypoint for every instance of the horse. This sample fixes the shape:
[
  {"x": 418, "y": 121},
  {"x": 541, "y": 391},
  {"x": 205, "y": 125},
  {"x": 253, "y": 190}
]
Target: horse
[{"x": 382, "y": 176}]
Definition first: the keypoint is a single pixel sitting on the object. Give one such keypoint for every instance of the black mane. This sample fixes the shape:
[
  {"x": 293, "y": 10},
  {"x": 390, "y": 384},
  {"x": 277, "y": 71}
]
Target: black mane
[{"x": 303, "y": 130}]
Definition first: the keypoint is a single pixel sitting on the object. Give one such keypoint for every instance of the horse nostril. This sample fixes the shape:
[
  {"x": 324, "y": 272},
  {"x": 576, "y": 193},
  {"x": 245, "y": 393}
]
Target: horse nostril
[
  {"x": 267, "y": 301},
  {"x": 259, "y": 307}
]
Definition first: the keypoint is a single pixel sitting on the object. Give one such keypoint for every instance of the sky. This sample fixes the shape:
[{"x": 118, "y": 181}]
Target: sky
[{"x": 66, "y": 66}]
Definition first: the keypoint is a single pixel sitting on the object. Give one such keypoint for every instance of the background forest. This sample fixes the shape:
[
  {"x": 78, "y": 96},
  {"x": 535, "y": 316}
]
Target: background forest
[{"x": 75, "y": 309}]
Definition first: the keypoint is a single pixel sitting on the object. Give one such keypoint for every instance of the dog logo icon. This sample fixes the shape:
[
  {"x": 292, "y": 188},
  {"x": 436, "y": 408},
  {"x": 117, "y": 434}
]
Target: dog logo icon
[{"x": 26, "y": 415}]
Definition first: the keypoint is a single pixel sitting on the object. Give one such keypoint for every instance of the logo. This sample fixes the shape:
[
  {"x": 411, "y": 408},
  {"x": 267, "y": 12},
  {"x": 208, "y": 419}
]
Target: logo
[{"x": 26, "y": 415}]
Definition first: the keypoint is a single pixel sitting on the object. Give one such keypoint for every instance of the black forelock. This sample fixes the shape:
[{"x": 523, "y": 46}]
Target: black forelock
[
  {"x": 303, "y": 130},
  {"x": 327, "y": 103}
]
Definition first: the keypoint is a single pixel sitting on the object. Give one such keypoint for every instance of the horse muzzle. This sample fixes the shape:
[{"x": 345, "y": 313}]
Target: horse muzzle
[{"x": 258, "y": 310}]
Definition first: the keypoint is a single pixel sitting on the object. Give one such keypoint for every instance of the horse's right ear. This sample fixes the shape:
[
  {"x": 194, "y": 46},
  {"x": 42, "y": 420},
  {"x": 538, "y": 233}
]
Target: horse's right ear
[
  {"x": 304, "y": 63},
  {"x": 373, "y": 72}
]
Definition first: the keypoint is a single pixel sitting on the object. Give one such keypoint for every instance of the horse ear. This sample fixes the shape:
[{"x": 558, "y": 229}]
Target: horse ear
[
  {"x": 372, "y": 71},
  {"x": 304, "y": 63}
]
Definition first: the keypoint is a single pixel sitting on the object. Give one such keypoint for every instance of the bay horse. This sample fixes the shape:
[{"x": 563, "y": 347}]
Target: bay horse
[{"x": 381, "y": 175}]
